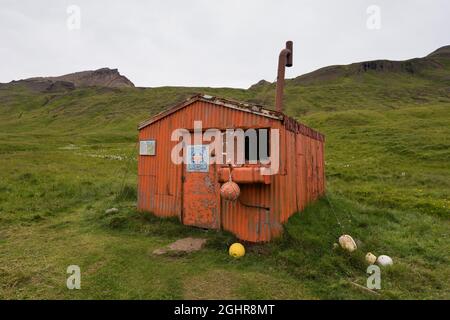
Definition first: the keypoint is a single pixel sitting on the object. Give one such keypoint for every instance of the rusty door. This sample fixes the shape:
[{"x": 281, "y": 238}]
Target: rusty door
[{"x": 201, "y": 197}]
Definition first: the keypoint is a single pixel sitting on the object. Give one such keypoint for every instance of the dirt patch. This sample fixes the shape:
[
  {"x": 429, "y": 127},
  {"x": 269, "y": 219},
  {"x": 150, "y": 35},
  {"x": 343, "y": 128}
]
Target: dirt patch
[
  {"x": 185, "y": 245},
  {"x": 93, "y": 268}
]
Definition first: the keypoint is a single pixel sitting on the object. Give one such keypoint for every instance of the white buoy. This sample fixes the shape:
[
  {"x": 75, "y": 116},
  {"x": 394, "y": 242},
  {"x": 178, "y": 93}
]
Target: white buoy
[
  {"x": 370, "y": 258},
  {"x": 384, "y": 260},
  {"x": 347, "y": 243}
]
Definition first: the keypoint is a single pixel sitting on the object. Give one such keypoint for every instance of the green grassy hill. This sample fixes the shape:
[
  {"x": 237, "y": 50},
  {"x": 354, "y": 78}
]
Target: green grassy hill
[{"x": 68, "y": 154}]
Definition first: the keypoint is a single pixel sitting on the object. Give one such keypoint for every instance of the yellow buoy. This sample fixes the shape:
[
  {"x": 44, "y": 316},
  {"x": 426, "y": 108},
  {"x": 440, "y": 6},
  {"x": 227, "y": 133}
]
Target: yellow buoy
[{"x": 237, "y": 250}]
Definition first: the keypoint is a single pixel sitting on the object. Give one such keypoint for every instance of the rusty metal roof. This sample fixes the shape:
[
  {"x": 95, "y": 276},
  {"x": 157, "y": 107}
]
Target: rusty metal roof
[
  {"x": 241, "y": 106},
  {"x": 290, "y": 123}
]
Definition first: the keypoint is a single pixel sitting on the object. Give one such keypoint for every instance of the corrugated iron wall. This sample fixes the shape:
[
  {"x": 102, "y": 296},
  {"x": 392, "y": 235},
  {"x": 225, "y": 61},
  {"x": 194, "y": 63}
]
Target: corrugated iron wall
[{"x": 262, "y": 208}]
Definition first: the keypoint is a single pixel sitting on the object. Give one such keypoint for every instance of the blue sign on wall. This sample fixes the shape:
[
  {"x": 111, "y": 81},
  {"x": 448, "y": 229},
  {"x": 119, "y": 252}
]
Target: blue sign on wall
[{"x": 197, "y": 158}]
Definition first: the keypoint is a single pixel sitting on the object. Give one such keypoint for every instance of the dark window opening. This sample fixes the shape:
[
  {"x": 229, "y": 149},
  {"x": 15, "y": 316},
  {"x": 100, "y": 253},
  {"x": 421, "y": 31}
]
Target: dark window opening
[{"x": 257, "y": 147}]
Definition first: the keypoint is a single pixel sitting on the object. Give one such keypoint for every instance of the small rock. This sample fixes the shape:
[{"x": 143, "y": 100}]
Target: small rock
[
  {"x": 347, "y": 243},
  {"x": 384, "y": 260},
  {"x": 185, "y": 245},
  {"x": 111, "y": 210},
  {"x": 159, "y": 251},
  {"x": 370, "y": 258}
]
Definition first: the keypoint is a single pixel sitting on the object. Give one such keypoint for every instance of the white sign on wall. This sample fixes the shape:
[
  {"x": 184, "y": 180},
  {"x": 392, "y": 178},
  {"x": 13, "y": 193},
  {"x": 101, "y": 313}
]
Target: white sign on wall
[
  {"x": 197, "y": 158},
  {"x": 147, "y": 148}
]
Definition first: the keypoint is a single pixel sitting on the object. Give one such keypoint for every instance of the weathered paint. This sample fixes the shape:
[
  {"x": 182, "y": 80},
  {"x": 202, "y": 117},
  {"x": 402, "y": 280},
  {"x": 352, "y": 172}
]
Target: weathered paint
[
  {"x": 265, "y": 203},
  {"x": 201, "y": 198}
]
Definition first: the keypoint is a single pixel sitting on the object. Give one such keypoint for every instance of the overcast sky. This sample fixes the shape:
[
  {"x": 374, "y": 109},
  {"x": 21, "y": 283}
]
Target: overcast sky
[{"x": 211, "y": 42}]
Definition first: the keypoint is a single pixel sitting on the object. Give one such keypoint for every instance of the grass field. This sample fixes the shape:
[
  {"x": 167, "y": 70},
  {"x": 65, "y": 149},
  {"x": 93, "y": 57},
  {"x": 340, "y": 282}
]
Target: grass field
[{"x": 66, "y": 157}]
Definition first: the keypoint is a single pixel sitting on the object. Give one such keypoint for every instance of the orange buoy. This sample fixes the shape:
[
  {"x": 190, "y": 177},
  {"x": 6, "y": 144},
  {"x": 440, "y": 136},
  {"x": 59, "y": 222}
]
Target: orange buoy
[{"x": 230, "y": 191}]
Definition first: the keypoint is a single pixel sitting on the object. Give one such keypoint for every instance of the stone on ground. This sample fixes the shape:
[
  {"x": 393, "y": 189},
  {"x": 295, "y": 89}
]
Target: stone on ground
[{"x": 184, "y": 245}]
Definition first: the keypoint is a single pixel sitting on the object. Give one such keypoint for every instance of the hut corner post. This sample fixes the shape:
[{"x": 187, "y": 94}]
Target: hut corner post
[{"x": 284, "y": 60}]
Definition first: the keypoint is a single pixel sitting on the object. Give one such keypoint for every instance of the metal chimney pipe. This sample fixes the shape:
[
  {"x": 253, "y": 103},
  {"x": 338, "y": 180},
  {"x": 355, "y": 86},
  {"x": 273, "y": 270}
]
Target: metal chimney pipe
[{"x": 284, "y": 60}]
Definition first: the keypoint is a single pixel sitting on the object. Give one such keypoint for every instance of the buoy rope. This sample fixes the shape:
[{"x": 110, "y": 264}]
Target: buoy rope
[{"x": 335, "y": 215}]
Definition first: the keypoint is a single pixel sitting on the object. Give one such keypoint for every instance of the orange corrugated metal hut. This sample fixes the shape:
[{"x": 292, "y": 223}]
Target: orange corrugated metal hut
[
  {"x": 190, "y": 190},
  {"x": 265, "y": 201}
]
